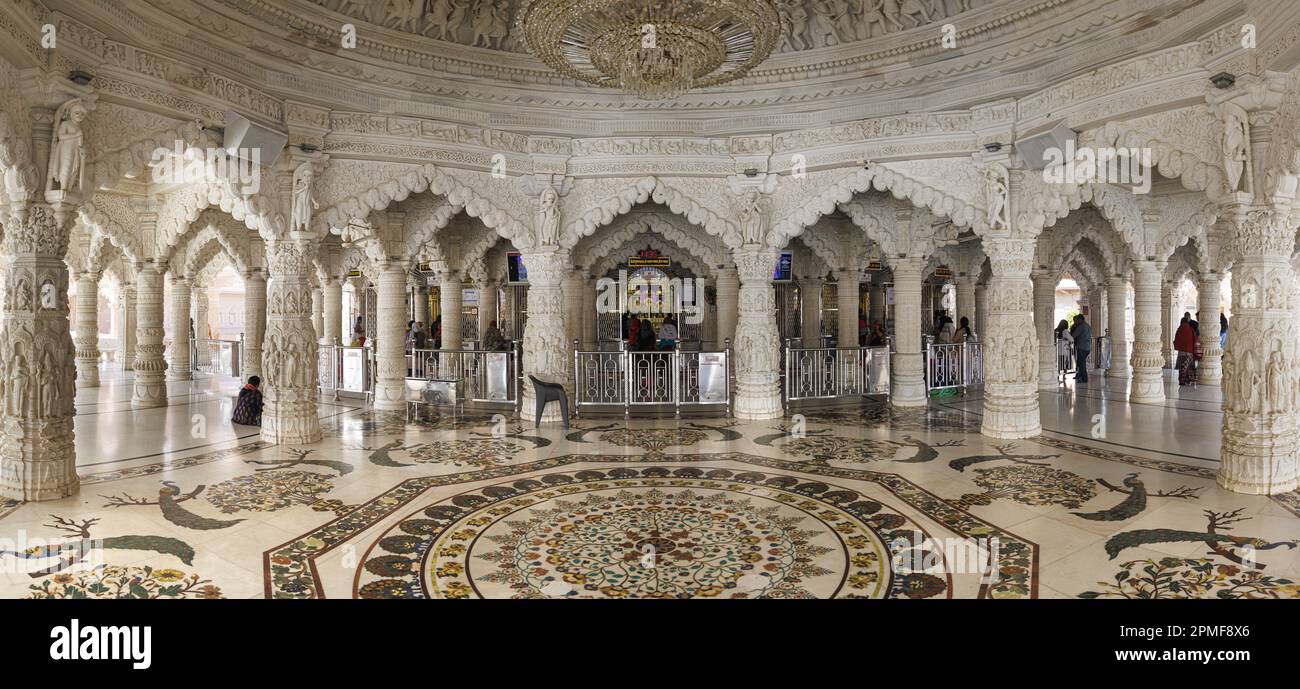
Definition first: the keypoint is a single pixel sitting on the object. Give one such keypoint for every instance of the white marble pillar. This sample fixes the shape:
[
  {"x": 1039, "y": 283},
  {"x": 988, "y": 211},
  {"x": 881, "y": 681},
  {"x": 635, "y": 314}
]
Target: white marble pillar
[
  {"x": 965, "y": 306},
  {"x": 332, "y": 294},
  {"x": 290, "y": 361},
  {"x": 981, "y": 310},
  {"x": 588, "y": 309},
  {"x": 178, "y": 367},
  {"x": 1010, "y": 343},
  {"x": 810, "y": 316},
  {"x": 877, "y": 299},
  {"x": 1260, "y": 436},
  {"x": 37, "y": 456},
  {"x": 572, "y": 288},
  {"x": 422, "y": 311},
  {"x": 318, "y": 312},
  {"x": 390, "y": 351},
  {"x": 150, "y": 366},
  {"x": 450, "y": 303},
  {"x": 1209, "y": 370},
  {"x": 1044, "y": 308},
  {"x": 908, "y": 378},
  {"x": 757, "y": 347},
  {"x": 1147, "y": 360},
  {"x": 1117, "y": 328},
  {"x": 846, "y": 300},
  {"x": 202, "y": 324},
  {"x": 728, "y": 291},
  {"x": 545, "y": 352},
  {"x": 130, "y": 309},
  {"x": 254, "y": 322},
  {"x": 87, "y": 339},
  {"x": 1167, "y": 321}
]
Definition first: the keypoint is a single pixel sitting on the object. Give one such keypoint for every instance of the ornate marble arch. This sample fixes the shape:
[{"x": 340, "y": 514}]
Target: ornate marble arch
[
  {"x": 496, "y": 202},
  {"x": 1085, "y": 273},
  {"x": 132, "y": 158},
  {"x": 111, "y": 216},
  {"x": 101, "y": 252},
  {"x": 1183, "y": 145},
  {"x": 425, "y": 219},
  {"x": 829, "y": 244},
  {"x": 1187, "y": 219},
  {"x": 798, "y": 203},
  {"x": 210, "y": 228},
  {"x": 1182, "y": 262},
  {"x": 1057, "y": 244},
  {"x": 598, "y": 202},
  {"x": 603, "y": 263},
  {"x": 629, "y": 227},
  {"x": 899, "y": 228},
  {"x": 205, "y": 242},
  {"x": 183, "y": 206}
]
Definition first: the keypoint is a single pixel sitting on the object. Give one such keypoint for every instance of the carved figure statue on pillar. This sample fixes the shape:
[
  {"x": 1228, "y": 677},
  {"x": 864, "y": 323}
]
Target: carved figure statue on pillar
[
  {"x": 303, "y": 203},
  {"x": 67, "y": 149},
  {"x": 548, "y": 218}
]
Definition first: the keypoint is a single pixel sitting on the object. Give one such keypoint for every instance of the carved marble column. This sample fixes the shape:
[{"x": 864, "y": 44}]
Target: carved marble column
[
  {"x": 450, "y": 302},
  {"x": 1260, "y": 438},
  {"x": 201, "y": 324},
  {"x": 390, "y": 352},
  {"x": 981, "y": 310},
  {"x": 332, "y": 294},
  {"x": 290, "y": 362},
  {"x": 573, "y": 289},
  {"x": 908, "y": 378},
  {"x": 877, "y": 305},
  {"x": 728, "y": 291},
  {"x": 130, "y": 309},
  {"x": 1044, "y": 310},
  {"x": 254, "y": 322},
  {"x": 588, "y": 309},
  {"x": 37, "y": 456},
  {"x": 846, "y": 300},
  {"x": 1010, "y": 343},
  {"x": 178, "y": 367},
  {"x": 545, "y": 352},
  {"x": 1147, "y": 361},
  {"x": 1117, "y": 326},
  {"x": 965, "y": 301},
  {"x": 87, "y": 340},
  {"x": 757, "y": 346},
  {"x": 150, "y": 367},
  {"x": 318, "y": 312},
  {"x": 1209, "y": 370},
  {"x": 422, "y": 303},
  {"x": 1167, "y": 321},
  {"x": 810, "y": 311}
]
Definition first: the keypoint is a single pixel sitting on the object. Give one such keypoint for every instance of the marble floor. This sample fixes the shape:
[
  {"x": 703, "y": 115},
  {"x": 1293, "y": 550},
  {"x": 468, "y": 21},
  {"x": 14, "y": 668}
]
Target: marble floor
[{"x": 1111, "y": 501}]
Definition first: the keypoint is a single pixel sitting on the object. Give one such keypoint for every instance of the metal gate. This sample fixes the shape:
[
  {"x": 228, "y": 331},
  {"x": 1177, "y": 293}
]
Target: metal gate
[{"x": 629, "y": 379}]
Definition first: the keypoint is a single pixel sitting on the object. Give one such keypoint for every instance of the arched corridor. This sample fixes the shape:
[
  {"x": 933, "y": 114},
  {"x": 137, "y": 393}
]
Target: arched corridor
[{"x": 426, "y": 316}]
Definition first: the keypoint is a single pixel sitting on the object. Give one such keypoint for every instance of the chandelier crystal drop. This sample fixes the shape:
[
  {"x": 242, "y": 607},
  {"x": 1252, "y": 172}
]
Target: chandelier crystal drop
[{"x": 656, "y": 49}]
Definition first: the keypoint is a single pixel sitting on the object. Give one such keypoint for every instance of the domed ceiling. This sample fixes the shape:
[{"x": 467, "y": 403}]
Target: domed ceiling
[{"x": 805, "y": 24}]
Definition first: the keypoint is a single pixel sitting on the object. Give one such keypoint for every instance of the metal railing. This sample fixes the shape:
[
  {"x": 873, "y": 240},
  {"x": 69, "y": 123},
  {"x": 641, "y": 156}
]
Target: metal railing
[
  {"x": 957, "y": 365},
  {"x": 489, "y": 376},
  {"x": 1101, "y": 352},
  {"x": 346, "y": 370},
  {"x": 224, "y": 357},
  {"x": 675, "y": 377},
  {"x": 831, "y": 372}
]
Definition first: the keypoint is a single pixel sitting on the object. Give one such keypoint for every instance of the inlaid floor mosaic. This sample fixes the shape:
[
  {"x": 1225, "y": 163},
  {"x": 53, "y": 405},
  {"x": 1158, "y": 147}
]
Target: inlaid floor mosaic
[{"x": 845, "y": 503}]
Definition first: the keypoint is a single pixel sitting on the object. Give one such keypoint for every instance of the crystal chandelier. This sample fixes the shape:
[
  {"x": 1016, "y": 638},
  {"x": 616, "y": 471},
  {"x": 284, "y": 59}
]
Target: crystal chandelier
[{"x": 657, "y": 49}]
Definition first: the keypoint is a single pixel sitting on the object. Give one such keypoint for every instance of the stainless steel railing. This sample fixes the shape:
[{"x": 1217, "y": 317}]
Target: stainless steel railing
[
  {"x": 224, "y": 357},
  {"x": 957, "y": 365},
  {"x": 488, "y": 376},
  {"x": 629, "y": 378},
  {"x": 831, "y": 372}
]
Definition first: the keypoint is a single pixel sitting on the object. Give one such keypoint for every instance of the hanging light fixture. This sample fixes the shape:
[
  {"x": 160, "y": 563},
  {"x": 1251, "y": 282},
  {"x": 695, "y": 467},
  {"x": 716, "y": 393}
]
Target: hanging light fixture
[{"x": 653, "y": 48}]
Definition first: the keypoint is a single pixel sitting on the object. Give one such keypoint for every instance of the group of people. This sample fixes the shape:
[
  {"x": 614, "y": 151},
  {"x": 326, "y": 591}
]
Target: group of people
[
  {"x": 1187, "y": 342},
  {"x": 419, "y": 337},
  {"x": 871, "y": 334},
  {"x": 1074, "y": 340},
  {"x": 639, "y": 333},
  {"x": 947, "y": 332}
]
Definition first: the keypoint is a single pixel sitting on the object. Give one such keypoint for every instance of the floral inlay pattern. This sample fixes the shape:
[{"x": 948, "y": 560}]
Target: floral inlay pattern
[{"x": 125, "y": 582}]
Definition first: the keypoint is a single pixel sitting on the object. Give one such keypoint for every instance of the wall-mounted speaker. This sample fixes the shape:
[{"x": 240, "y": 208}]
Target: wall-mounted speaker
[
  {"x": 1033, "y": 149},
  {"x": 243, "y": 135}
]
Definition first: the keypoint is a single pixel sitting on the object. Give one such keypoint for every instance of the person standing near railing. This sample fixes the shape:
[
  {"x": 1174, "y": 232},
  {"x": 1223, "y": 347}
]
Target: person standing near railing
[
  {"x": 1064, "y": 347},
  {"x": 1082, "y": 335},
  {"x": 668, "y": 334}
]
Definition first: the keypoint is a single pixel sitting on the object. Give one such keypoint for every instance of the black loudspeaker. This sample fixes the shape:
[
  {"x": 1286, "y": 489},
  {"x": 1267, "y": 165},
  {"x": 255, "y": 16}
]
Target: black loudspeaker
[
  {"x": 243, "y": 135},
  {"x": 1033, "y": 149}
]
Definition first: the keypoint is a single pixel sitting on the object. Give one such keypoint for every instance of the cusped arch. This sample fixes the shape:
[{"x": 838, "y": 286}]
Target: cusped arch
[
  {"x": 105, "y": 216},
  {"x": 644, "y": 190},
  {"x": 617, "y": 256},
  {"x": 630, "y": 227}
]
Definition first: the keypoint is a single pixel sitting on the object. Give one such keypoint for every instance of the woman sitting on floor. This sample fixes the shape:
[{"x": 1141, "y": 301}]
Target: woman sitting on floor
[{"x": 248, "y": 408}]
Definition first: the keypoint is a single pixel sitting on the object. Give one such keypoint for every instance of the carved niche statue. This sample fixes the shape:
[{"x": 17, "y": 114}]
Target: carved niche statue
[
  {"x": 548, "y": 218},
  {"x": 751, "y": 210},
  {"x": 303, "y": 203},
  {"x": 67, "y": 170},
  {"x": 1234, "y": 146},
  {"x": 996, "y": 190}
]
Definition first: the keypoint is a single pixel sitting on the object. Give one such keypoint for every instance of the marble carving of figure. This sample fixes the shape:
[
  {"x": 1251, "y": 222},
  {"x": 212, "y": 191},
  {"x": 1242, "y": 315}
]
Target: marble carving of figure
[
  {"x": 1234, "y": 149},
  {"x": 995, "y": 196},
  {"x": 548, "y": 218},
  {"x": 303, "y": 203},
  {"x": 797, "y": 25},
  {"x": 489, "y": 24},
  {"x": 67, "y": 150},
  {"x": 436, "y": 14},
  {"x": 912, "y": 8},
  {"x": 750, "y": 213}
]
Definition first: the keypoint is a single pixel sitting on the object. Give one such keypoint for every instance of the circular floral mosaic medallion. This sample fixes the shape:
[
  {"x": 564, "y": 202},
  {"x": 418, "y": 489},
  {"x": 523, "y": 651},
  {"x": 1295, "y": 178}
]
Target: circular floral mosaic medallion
[
  {"x": 466, "y": 453},
  {"x": 649, "y": 532},
  {"x": 653, "y": 439}
]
